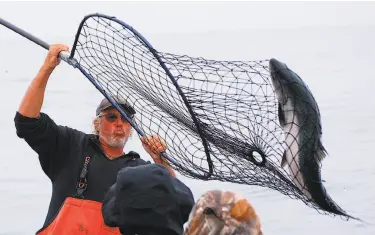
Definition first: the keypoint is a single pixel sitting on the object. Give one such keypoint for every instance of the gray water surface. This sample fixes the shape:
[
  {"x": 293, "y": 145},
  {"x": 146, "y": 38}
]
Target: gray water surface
[{"x": 336, "y": 62}]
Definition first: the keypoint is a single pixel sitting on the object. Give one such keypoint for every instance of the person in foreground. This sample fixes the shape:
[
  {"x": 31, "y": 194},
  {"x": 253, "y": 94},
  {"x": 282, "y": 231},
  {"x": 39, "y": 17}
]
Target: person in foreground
[
  {"x": 128, "y": 204},
  {"x": 216, "y": 212},
  {"x": 82, "y": 167}
]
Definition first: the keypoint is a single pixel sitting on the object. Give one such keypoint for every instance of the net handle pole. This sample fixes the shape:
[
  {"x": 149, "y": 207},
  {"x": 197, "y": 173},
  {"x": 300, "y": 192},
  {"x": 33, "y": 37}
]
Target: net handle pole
[
  {"x": 117, "y": 106},
  {"x": 65, "y": 57}
]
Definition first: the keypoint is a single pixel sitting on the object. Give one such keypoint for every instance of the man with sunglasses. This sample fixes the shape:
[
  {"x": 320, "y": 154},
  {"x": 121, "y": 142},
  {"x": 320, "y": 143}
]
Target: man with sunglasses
[
  {"x": 115, "y": 131},
  {"x": 82, "y": 167}
]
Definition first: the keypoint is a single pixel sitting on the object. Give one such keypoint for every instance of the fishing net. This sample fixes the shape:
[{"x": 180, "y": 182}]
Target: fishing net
[{"x": 218, "y": 118}]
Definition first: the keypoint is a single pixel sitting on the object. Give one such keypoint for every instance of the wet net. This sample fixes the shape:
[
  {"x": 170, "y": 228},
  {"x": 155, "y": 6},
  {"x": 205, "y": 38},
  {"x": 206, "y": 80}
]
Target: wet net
[{"x": 218, "y": 118}]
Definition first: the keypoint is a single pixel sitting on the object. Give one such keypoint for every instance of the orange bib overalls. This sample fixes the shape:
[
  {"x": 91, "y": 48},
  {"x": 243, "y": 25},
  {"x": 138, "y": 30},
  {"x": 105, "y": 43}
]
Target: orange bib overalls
[{"x": 79, "y": 216}]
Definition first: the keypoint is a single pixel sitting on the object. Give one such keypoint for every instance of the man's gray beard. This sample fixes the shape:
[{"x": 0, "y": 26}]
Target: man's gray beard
[{"x": 114, "y": 142}]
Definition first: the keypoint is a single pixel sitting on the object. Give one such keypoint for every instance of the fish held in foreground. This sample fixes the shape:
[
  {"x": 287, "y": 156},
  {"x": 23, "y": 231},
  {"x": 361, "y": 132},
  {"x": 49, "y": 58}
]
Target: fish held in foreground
[
  {"x": 222, "y": 213},
  {"x": 300, "y": 119}
]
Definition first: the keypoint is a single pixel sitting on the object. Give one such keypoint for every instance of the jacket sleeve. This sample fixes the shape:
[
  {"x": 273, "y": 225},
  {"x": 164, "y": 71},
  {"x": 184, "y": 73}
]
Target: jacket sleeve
[{"x": 50, "y": 141}]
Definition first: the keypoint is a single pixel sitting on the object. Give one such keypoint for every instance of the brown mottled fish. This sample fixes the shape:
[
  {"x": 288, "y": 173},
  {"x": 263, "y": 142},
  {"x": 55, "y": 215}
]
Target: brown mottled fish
[{"x": 223, "y": 213}]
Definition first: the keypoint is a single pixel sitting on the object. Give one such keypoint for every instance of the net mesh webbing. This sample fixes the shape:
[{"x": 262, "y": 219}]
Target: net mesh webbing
[{"x": 224, "y": 118}]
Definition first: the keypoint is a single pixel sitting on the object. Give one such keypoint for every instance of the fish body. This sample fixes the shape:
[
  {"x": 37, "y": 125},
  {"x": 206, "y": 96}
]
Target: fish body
[
  {"x": 299, "y": 117},
  {"x": 222, "y": 213}
]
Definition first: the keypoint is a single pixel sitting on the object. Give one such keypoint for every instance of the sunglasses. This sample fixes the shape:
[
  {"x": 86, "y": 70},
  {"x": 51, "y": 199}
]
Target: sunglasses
[{"x": 112, "y": 117}]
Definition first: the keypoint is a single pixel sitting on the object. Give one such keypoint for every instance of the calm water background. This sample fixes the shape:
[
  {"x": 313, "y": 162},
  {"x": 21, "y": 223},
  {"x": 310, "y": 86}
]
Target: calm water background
[{"x": 336, "y": 60}]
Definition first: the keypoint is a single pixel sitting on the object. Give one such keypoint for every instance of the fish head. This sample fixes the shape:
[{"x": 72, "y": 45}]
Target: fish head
[
  {"x": 279, "y": 82},
  {"x": 287, "y": 84},
  {"x": 222, "y": 212},
  {"x": 292, "y": 91}
]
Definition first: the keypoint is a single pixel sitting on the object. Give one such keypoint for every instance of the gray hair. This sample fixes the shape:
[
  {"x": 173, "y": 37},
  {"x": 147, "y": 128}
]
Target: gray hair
[{"x": 96, "y": 120}]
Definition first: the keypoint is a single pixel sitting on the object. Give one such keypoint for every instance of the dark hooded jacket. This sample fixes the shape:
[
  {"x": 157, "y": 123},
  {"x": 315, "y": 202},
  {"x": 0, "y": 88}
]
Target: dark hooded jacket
[{"x": 147, "y": 200}]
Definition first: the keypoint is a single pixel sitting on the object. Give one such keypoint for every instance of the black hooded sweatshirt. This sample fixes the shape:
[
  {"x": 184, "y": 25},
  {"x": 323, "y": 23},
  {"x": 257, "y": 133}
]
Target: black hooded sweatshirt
[{"x": 62, "y": 151}]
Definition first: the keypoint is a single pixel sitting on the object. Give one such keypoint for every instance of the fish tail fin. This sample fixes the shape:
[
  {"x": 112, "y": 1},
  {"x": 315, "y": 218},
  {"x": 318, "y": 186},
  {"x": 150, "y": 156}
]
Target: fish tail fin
[
  {"x": 347, "y": 216},
  {"x": 336, "y": 209}
]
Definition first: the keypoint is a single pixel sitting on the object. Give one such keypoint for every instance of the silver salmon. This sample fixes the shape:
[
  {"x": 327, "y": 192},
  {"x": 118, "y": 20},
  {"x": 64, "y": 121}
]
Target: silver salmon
[{"x": 299, "y": 117}]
